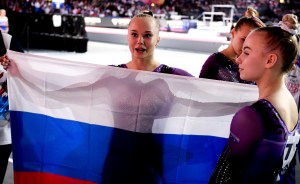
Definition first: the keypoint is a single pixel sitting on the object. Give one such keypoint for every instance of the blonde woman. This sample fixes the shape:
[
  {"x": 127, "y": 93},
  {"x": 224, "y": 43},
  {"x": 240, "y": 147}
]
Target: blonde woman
[
  {"x": 264, "y": 136},
  {"x": 222, "y": 65}
]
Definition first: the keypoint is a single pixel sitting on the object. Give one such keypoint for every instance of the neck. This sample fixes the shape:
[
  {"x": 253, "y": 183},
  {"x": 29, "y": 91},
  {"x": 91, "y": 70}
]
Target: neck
[
  {"x": 143, "y": 64},
  {"x": 229, "y": 52},
  {"x": 269, "y": 88}
]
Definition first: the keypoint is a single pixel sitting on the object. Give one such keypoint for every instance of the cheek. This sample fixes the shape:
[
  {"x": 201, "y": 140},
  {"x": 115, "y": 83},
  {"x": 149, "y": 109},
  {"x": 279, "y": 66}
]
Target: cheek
[
  {"x": 150, "y": 43},
  {"x": 129, "y": 41},
  {"x": 252, "y": 71},
  {"x": 251, "y": 64},
  {"x": 237, "y": 44},
  {"x": 240, "y": 44},
  {"x": 130, "y": 45}
]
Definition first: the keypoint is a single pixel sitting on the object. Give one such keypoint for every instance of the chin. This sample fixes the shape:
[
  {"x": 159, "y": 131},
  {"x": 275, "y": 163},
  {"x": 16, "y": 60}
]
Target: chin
[
  {"x": 247, "y": 78},
  {"x": 243, "y": 77}
]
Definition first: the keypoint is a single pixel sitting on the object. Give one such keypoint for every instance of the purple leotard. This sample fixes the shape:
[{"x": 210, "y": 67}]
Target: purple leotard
[
  {"x": 220, "y": 67},
  {"x": 259, "y": 148},
  {"x": 165, "y": 69}
]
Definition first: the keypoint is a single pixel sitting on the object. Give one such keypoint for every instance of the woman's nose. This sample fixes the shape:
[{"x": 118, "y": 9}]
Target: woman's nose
[{"x": 140, "y": 40}]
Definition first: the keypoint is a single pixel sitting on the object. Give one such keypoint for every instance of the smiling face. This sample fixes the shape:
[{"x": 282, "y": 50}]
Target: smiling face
[
  {"x": 252, "y": 61},
  {"x": 143, "y": 36}
]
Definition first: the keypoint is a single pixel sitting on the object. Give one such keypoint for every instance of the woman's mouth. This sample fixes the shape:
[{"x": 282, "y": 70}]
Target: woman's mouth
[{"x": 140, "y": 50}]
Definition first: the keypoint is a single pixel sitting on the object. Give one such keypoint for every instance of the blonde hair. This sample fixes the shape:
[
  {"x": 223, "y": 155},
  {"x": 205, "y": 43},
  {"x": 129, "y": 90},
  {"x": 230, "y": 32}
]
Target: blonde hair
[
  {"x": 147, "y": 14},
  {"x": 290, "y": 20},
  {"x": 251, "y": 12},
  {"x": 289, "y": 23},
  {"x": 278, "y": 39},
  {"x": 250, "y": 18}
]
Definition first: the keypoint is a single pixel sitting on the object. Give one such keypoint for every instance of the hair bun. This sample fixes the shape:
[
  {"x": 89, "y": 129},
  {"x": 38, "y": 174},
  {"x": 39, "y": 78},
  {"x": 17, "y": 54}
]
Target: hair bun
[
  {"x": 289, "y": 23},
  {"x": 290, "y": 20},
  {"x": 251, "y": 12}
]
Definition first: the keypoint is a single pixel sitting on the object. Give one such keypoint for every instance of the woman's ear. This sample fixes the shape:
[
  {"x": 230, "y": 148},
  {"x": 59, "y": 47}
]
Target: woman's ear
[
  {"x": 157, "y": 41},
  {"x": 271, "y": 60},
  {"x": 232, "y": 32}
]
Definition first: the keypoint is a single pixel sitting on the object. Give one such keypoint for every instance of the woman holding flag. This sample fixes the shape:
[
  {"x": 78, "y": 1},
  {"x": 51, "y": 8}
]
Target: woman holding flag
[
  {"x": 145, "y": 165},
  {"x": 5, "y": 134}
]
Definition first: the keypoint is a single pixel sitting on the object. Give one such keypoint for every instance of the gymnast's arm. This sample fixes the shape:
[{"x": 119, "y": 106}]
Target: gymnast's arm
[{"x": 245, "y": 131}]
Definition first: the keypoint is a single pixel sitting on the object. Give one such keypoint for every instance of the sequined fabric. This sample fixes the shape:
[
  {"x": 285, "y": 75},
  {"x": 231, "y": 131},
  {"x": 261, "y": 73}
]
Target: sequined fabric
[
  {"x": 220, "y": 67},
  {"x": 165, "y": 69},
  {"x": 263, "y": 160}
]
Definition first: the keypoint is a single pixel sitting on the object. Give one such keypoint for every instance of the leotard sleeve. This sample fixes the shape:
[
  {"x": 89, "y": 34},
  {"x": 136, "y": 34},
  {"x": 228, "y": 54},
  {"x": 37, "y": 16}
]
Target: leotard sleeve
[{"x": 245, "y": 130}]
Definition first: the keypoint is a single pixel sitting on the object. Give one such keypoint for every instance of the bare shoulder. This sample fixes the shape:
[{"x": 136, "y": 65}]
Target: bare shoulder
[{"x": 286, "y": 106}]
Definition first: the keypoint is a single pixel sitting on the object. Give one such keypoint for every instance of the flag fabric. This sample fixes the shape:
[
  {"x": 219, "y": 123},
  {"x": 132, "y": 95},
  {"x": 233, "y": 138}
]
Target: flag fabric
[{"x": 83, "y": 123}]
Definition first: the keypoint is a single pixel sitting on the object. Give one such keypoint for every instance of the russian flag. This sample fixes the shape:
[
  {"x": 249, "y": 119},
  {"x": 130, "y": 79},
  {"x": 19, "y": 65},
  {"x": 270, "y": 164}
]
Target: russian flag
[{"x": 82, "y": 123}]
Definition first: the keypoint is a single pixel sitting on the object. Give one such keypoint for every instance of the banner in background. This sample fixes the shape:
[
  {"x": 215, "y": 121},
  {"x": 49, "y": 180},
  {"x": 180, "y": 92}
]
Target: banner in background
[{"x": 81, "y": 123}]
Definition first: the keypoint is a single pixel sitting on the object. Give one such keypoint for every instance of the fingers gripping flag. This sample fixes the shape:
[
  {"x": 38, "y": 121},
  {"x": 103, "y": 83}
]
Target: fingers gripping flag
[{"x": 81, "y": 123}]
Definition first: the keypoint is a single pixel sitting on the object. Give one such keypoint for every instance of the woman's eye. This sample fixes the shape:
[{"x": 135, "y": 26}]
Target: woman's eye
[
  {"x": 134, "y": 34},
  {"x": 148, "y": 35}
]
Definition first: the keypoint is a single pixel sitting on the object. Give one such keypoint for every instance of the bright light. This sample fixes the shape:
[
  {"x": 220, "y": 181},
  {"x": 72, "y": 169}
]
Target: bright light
[
  {"x": 56, "y": 19},
  {"x": 152, "y": 4},
  {"x": 281, "y": 1}
]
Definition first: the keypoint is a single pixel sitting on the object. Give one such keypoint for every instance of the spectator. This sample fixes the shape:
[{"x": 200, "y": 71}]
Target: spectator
[{"x": 3, "y": 21}]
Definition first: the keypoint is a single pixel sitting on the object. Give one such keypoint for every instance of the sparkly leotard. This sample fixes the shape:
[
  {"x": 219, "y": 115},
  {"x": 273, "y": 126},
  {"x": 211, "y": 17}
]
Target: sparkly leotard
[
  {"x": 165, "y": 69},
  {"x": 259, "y": 148},
  {"x": 220, "y": 67}
]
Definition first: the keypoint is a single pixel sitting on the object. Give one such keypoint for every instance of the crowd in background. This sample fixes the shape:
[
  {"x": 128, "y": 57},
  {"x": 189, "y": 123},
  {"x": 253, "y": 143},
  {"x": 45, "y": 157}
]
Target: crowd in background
[{"x": 269, "y": 10}]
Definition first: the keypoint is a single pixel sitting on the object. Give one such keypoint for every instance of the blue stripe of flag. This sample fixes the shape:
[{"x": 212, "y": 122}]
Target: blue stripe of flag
[{"x": 108, "y": 155}]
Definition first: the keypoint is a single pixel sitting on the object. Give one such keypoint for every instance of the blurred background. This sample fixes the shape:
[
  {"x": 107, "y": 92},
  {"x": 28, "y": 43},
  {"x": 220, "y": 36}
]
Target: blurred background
[{"x": 69, "y": 24}]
